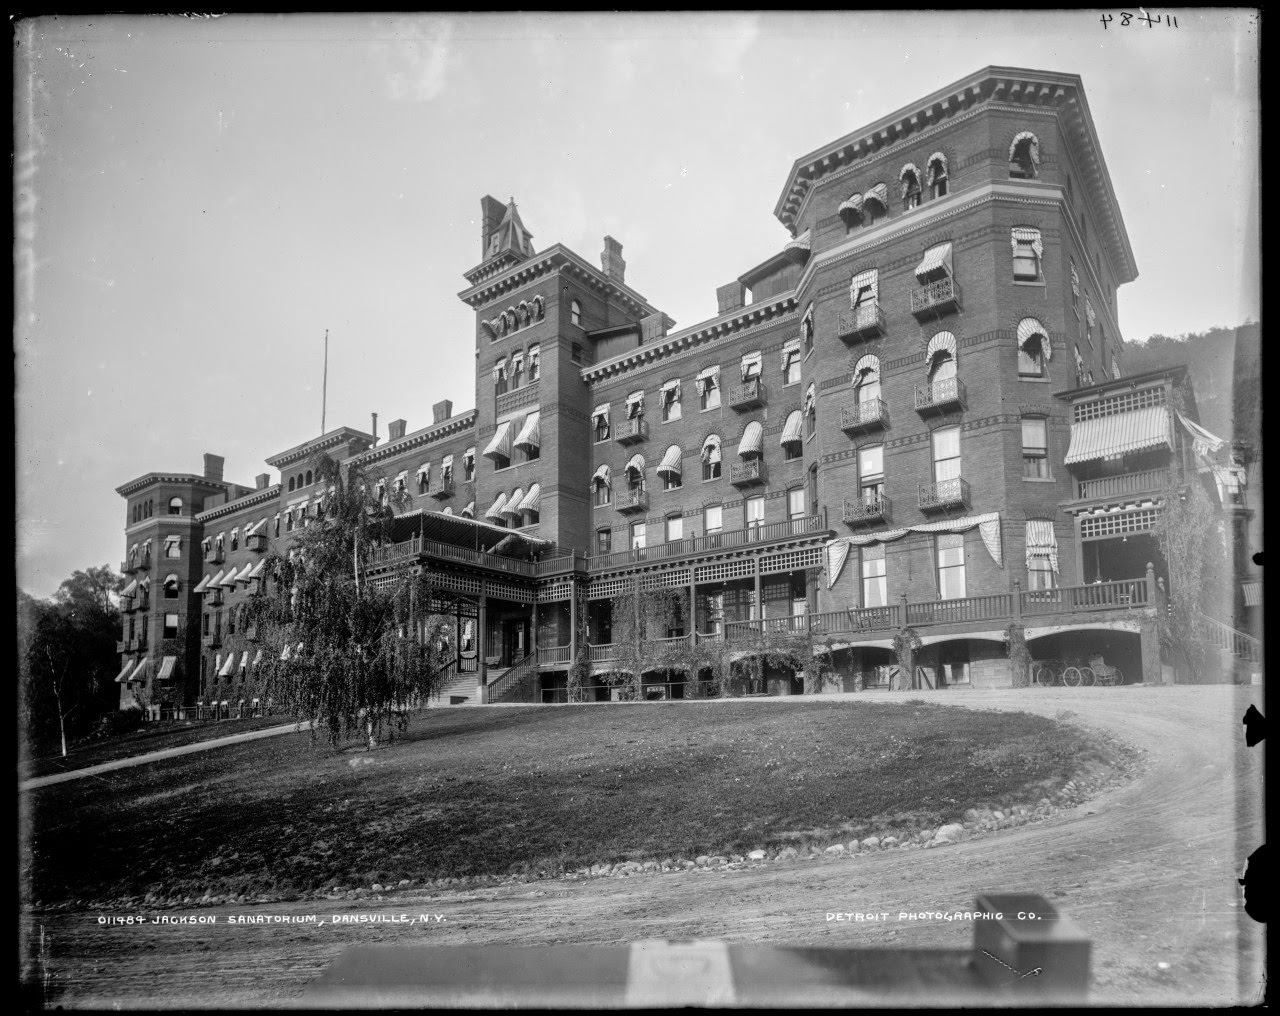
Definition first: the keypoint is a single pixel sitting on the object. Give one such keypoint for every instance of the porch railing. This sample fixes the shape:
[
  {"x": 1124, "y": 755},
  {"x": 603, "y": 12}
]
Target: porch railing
[
  {"x": 725, "y": 540},
  {"x": 1223, "y": 636},
  {"x": 1118, "y": 595},
  {"x": 1126, "y": 483},
  {"x": 553, "y": 655},
  {"x": 518, "y": 684},
  {"x": 970, "y": 608},
  {"x": 394, "y": 552},
  {"x": 858, "y": 619}
]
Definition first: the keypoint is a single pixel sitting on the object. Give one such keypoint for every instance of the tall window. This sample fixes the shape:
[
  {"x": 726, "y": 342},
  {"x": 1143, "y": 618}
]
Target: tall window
[
  {"x": 604, "y": 541},
  {"x": 910, "y": 180},
  {"x": 871, "y": 474},
  {"x": 791, "y": 366},
  {"x": 950, "y": 566},
  {"x": 946, "y": 455},
  {"x": 795, "y": 503},
  {"x": 709, "y": 389},
  {"x": 575, "y": 313},
  {"x": 500, "y": 377},
  {"x": 755, "y": 511},
  {"x": 1024, "y": 156},
  {"x": 1027, "y": 252},
  {"x": 173, "y": 547},
  {"x": 1039, "y": 573},
  {"x": 535, "y": 363},
  {"x": 1035, "y": 448},
  {"x": 866, "y": 379},
  {"x": 671, "y": 402},
  {"x": 671, "y": 480},
  {"x": 517, "y": 369},
  {"x": 712, "y": 518},
  {"x": 171, "y": 626},
  {"x": 875, "y": 591},
  {"x": 675, "y": 528},
  {"x": 635, "y": 478},
  {"x": 1033, "y": 348},
  {"x": 601, "y": 420},
  {"x": 711, "y": 458},
  {"x": 637, "y": 536},
  {"x": 602, "y": 493},
  {"x": 936, "y": 174},
  {"x": 175, "y": 506}
]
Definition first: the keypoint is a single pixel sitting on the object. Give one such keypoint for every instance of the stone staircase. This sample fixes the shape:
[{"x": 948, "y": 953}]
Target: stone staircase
[{"x": 458, "y": 689}]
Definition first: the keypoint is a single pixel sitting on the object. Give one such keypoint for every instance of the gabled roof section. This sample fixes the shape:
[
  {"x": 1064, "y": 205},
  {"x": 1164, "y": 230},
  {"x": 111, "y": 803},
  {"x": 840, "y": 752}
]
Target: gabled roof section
[
  {"x": 1063, "y": 93},
  {"x": 511, "y": 235}
]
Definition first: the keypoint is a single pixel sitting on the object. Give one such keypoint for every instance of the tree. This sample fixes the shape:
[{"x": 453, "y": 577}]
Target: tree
[
  {"x": 346, "y": 648},
  {"x": 92, "y": 587},
  {"x": 1192, "y": 535}
]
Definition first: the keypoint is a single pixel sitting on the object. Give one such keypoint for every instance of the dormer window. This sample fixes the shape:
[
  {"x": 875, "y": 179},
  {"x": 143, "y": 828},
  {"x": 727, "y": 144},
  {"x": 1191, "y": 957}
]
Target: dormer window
[
  {"x": 936, "y": 175},
  {"x": 1024, "y": 157},
  {"x": 909, "y": 179}
]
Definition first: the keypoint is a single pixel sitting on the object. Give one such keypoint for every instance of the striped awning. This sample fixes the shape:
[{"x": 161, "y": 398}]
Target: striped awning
[
  {"x": 424, "y": 469},
  {"x": 864, "y": 287},
  {"x": 258, "y": 569},
  {"x": 751, "y": 363},
  {"x": 517, "y": 360},
  {"x": 851, "y": 204},
  {"x": 528, "y": 436},
  {"x": 470, "y": 454},
  {"x": 130, "y": 589},
  {"x": 708, "y": 377},
  {"x": 711, "y": 448},
  {"x": 244, "y": 660},
  {"x": 752, "y": 440},
  {"x": 1029, "y": 327},
  {"x": 811, "y": 398},
  {"x": 880, "y": 193},
  {"x": 943, "y": 342},
  {"x": 1041, "y": 542},
  {"x": 635, "y": 404},
  {"x": 402, "y": 478},
  {"x": 141, "y": 670},
  {"x": 866, "y": 369},
  {"x": 495, "y": 510},
  {"x": 216, "y": 580},
  {"x": 167, "y": 665},
  {"x": 670, "y": 464},
  {"x": 1026, "y": 234},
  {"x": 246, "y": 573},
  {"x": 169, "y": 541},
  {"x": 793, "y": 432},
  {"x": 671, "y": 386},
  {"x": 790, "y": 351},
  {"x": 500, "y": 445},
  {"x": 469, "y": 511},
  {"x": 601, "y": 475},
  {"x": 636, "y": 465},
  {"x": 1202, "y": 441},
  {"x": 600, "y": 413},
  {"x": 228, "y": 666},
  {"x": 1034, "y": 148},
  {"x": 532, "y": 499},
  {"x": 124, "y": 671},
  {"x": 446, "y": 466},
  {"x": 936, "y": 159},
  {"x": 1252, "y": 593},
  {"x": 936, "y": 264},
  {"x": 229, "y": 580},
  {"x": 800, "y": 243},
  {"x": 1120, "y": 433},
  {"x": 512, "y": 507}
]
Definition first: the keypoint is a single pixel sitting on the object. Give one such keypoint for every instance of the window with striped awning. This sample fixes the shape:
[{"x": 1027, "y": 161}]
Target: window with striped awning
[
  {"x": 1119, "y": 434},
  {"x": 708, "y": 377},
  {"x": 512, "y": 505},
  {"x": 500, "y": 444},
  {"x": 751, "y": 363},
  {"x": 495, "y": 510},
  {"x": 601, "y": 475},
  {"x": 533, "y": 499},
  {"x": 528, "y": 438},
  {"x": 670, "y": 464},
  {"x": 793, "y": 431},
  {"x": 863, "y": 288},
  {"x": 879, "y": 194},
  {"x": 636, "y": 464},
  {"x": 752, "y": 440},
  {"x": 936, "y": 263},
  {"x": 711, "y": 448}
]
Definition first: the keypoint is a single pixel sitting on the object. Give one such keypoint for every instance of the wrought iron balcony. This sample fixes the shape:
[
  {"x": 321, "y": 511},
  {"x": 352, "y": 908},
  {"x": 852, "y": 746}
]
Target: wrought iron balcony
[
  {"x": 632, "y": 431},
  {"x": 122, "y": 645},
  {"x": 215, "y": 554},
  {"x": 953, "y": 493},
  {"x": 443, "y": 489},
  {"x": 215, "y": 597},
  {"x": 747, "y": 395},
  {"x": 212, "y": 640},
  {"x": 126, "y": 568},
  {"x": 863, "y": 416},
  {"x": 138, "y": 642},
  {"x": 256, "y": 541},
  {"x": 936, "y": 299},
  {"x": 861, "y": 323},
  {"x": 939, "y": 396},
  {"x": 144, "y": 562},
  {"x": 749, "y": 473},
  {"x": 861, "y": 512},
  {"x": 632, "y": 501}
]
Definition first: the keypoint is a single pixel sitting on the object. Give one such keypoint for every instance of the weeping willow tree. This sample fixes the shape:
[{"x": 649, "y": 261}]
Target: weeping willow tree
[{"x": 351, "y": 653}]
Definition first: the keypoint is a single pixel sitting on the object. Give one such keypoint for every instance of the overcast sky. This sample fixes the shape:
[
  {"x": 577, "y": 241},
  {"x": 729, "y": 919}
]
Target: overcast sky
[{"x": 198, "y": 200}]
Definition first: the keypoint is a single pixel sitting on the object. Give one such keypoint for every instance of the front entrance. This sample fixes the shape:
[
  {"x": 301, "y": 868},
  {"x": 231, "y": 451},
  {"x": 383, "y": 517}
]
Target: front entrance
[{"x": 515, "y": 640}]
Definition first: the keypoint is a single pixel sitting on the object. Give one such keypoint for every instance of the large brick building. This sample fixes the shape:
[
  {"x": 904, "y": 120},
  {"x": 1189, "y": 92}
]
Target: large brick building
[{"x": 914, "y": 414}]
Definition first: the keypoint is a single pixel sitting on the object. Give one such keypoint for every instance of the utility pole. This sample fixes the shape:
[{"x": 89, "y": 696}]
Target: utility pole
[{"x": 324, "y": 387}]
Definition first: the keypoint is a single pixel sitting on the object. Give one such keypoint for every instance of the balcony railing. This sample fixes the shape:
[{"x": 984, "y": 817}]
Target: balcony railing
[
  {"x": 1126, "y": 483},
  {"x": 122, "y": 645},
  {"x": 138, "y": 642},
  {"x": 937, "y": 396},
  {"x": 749, "y": 473},
  {"x": 861, "y": 323},
  {"x": 606, "y": 653},
  {"x": 632, "y": 431},
  {"x": 563, "y": 563},
  {"x": 970, "y": 608},
  {"x": 866, "y": 510},
  {"x": 936, "y": 299},
  {"x": 755, "y": 534},
  {"x": 944, "y": 494},
  {"x": 395, "y": 552},
  {"x": 1119, "y": 595},
  {"x": 553, "y": 655},
  {"x": 632, "y": 501},
  {"x": 858, "y": 619},
  {"x": 747, "y": 395},
  {"x": 256, "y": 541},
  {"x": 442, "y": 489},
  {"x": 862, "y": 416},
  {"x": 215, "y": 554}
]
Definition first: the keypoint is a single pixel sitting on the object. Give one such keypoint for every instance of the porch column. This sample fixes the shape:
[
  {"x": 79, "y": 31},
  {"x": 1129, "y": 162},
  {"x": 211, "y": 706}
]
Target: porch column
[
  {"x": 482, "y": 667},
  {"x": 755, "y": 574},
  {"x": 693, "y": 608},
  {"x": 573, "y": 620}
]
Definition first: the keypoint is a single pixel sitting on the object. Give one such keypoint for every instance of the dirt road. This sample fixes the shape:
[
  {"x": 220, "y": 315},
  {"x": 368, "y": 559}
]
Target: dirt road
[{"x": 1148, "y": 870}]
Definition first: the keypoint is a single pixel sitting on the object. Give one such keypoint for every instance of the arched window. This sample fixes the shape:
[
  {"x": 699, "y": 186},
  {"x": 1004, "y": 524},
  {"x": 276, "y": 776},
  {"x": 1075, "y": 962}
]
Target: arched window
[
  {"x": 575, "y": 313},
  {"x": 711, "y": 457},
  {"x": 175, "y": 506},
  {"x": 291, "y": 484},
  {"x": 940, "y": 359},
  {"x": 936, "y": 174},
  {"x": 850, "y": 211},
  {"x": 600, "y": 486},
  {"x": 1033, "y": 348},
  {"x": 635, "y": 472},
  {"x": 535, "y": 362},
  {"x": 875, "y": 204},
  {"x": 308, "y": 478},
  {"x": 909, "y": 178},
  {"x": 517, "y": 368},
  {"x": 1024, "y": 156},
  {"x": 866, "y": 381},
  {"x": 171, "y": 586}
]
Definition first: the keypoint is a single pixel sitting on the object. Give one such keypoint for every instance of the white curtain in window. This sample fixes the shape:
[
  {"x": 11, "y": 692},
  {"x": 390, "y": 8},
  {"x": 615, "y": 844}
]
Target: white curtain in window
[{"x": 1041, "y": 542}]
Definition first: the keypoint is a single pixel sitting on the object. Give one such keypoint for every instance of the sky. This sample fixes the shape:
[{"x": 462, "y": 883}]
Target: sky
[{"x": 199, "y": 199}]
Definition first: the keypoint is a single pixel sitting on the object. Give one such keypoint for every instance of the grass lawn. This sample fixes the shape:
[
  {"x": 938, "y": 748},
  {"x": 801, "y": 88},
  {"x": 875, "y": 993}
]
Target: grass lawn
[
  {"x": 152, "y": 737},
  {"x": 491, "y": 791}
]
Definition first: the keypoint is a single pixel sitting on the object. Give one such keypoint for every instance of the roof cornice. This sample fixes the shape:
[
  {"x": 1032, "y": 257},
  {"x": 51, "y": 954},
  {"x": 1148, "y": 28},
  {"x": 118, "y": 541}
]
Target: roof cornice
[
  {"x": 561, "y": 258},
  {"x": 781, "y": 305},
  {"x": 1059, "y": 93},
  {"x": 248, "y": 501},
  {"x": 447, "y": 428},
  {"x": 147, "y": 479},
  {"x": 329, "y": 440}
]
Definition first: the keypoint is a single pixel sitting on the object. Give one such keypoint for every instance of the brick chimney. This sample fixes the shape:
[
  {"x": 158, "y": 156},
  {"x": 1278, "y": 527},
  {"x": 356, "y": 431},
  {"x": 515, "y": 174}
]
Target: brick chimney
[
  {"x": 731, "y": 297},
  {"x": 441, "y": 411},
  {"x": 261, "y": 480},
  {"x": 213, "y": 466},
  {"x": 611, "y": 260},
  {"x": 395, "y": 429},
  {"x": 491, "y": 212},
  {"x": 374, "y": 428}
]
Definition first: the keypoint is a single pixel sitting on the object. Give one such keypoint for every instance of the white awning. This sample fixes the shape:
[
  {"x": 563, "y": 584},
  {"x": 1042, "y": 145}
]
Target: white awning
[
  {"x": 532, "y": 499},
  {"x": 1119, "y": 434},
  {"x": 246, "y": 573},
  {"x": 130, "y": 589},
  {"x": 500, "y": 445},
  {"x": 167, "y": 665},
  {"x": 752, "y": 439},
  {"x": 711, "y": 448},
  {"x": 793, "y": 432},
  {"x": 670, "y": 464},
  {"x": 512, "y": 506},
  {"x": 1252, "y": 593},
  {"x": 864, "y": 287},
  {"x": 244, "y": 660},
  {"x": 446, "y": 466},
  {"x": 258, "y": 569},
  {"x": 1029, "y": 327},
  {"x": 708, "y": 377},
  {"x": 936, "y": 264},
  {"x": 1026, "y": 234},
  {"x": 790, "y": 350},
  {"x": 636, "y": 465},
  {"x": 470, "y": 454},
  {"x": 402, "y": 478},
  {"x": 601, "y": 475},
  {"x": 140, "y": 671},
  {"x": 1202, "y": 441},
  {"x": 811, "y": 398},
  {"x": 495, "y": 510},
  {"x": 600, "y": 414},
  {"x": 853, "y": 204},
  {"x": 940, "y": 343},
  {"x": 124, "y": 671},
  {"x": 880, "y": 193},
  {"x": 866, "y": 369},
  {"x": 1041, "y": 542},
  {"x": 169, "y": 541},
  {"x": 1035, "y": 146},
  {"x": 228, "y": 666},
  {"x": 517, "y": 360},
  {"x": 931, "y": 168},
  {"x": 424, "y": 469},
  {"x": 203, "y": 584},
  {"x": 528, "y": 436},
  {"x": 469, "y": 511},
  {"x": 448, "y": 510},
  {"x": 751, "y": 363},
  {"x": 635, "y": 404},
  {"x": 217, "y": 579},
  {"x": 229, "y": 580}
]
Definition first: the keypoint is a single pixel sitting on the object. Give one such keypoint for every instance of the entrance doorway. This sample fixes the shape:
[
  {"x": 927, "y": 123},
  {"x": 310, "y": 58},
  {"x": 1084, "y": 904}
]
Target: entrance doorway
[{"x": 515, "y": 640}]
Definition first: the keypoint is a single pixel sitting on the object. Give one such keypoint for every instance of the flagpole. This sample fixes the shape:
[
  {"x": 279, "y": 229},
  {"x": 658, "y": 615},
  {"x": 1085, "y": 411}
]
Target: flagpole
[{"x": 324, "y": 390}]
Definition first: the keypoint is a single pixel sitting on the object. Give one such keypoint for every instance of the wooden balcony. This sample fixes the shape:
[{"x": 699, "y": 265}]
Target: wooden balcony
[
  {"x": 970, "y": 608},
  {"x": 866, "y": 510},
  {"x": 857, "y": 619},
  {"x": 747, "y": 395},
  {"x": 1148, "y": 481},
  {"x": 862, "y": 417},
  {"x": 632, "y": 501},
  {"x": 861, "y": 323},
  {"x": 936, "y": 299},
  {"x": 712, "y": 542},
  {"x": 122, "y": 645},
  {"x": 395, "y": 553},
  {"x": 935, "y": 497},
  {"x": 940, "y": 396},
  {"x": 1123, "y": 594},
  {"x": 632, "y": 431},
  {"x": 553, "y": 656},
  {"x": 442, "y": 489},
  {"x": 749, "y": 474}
]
